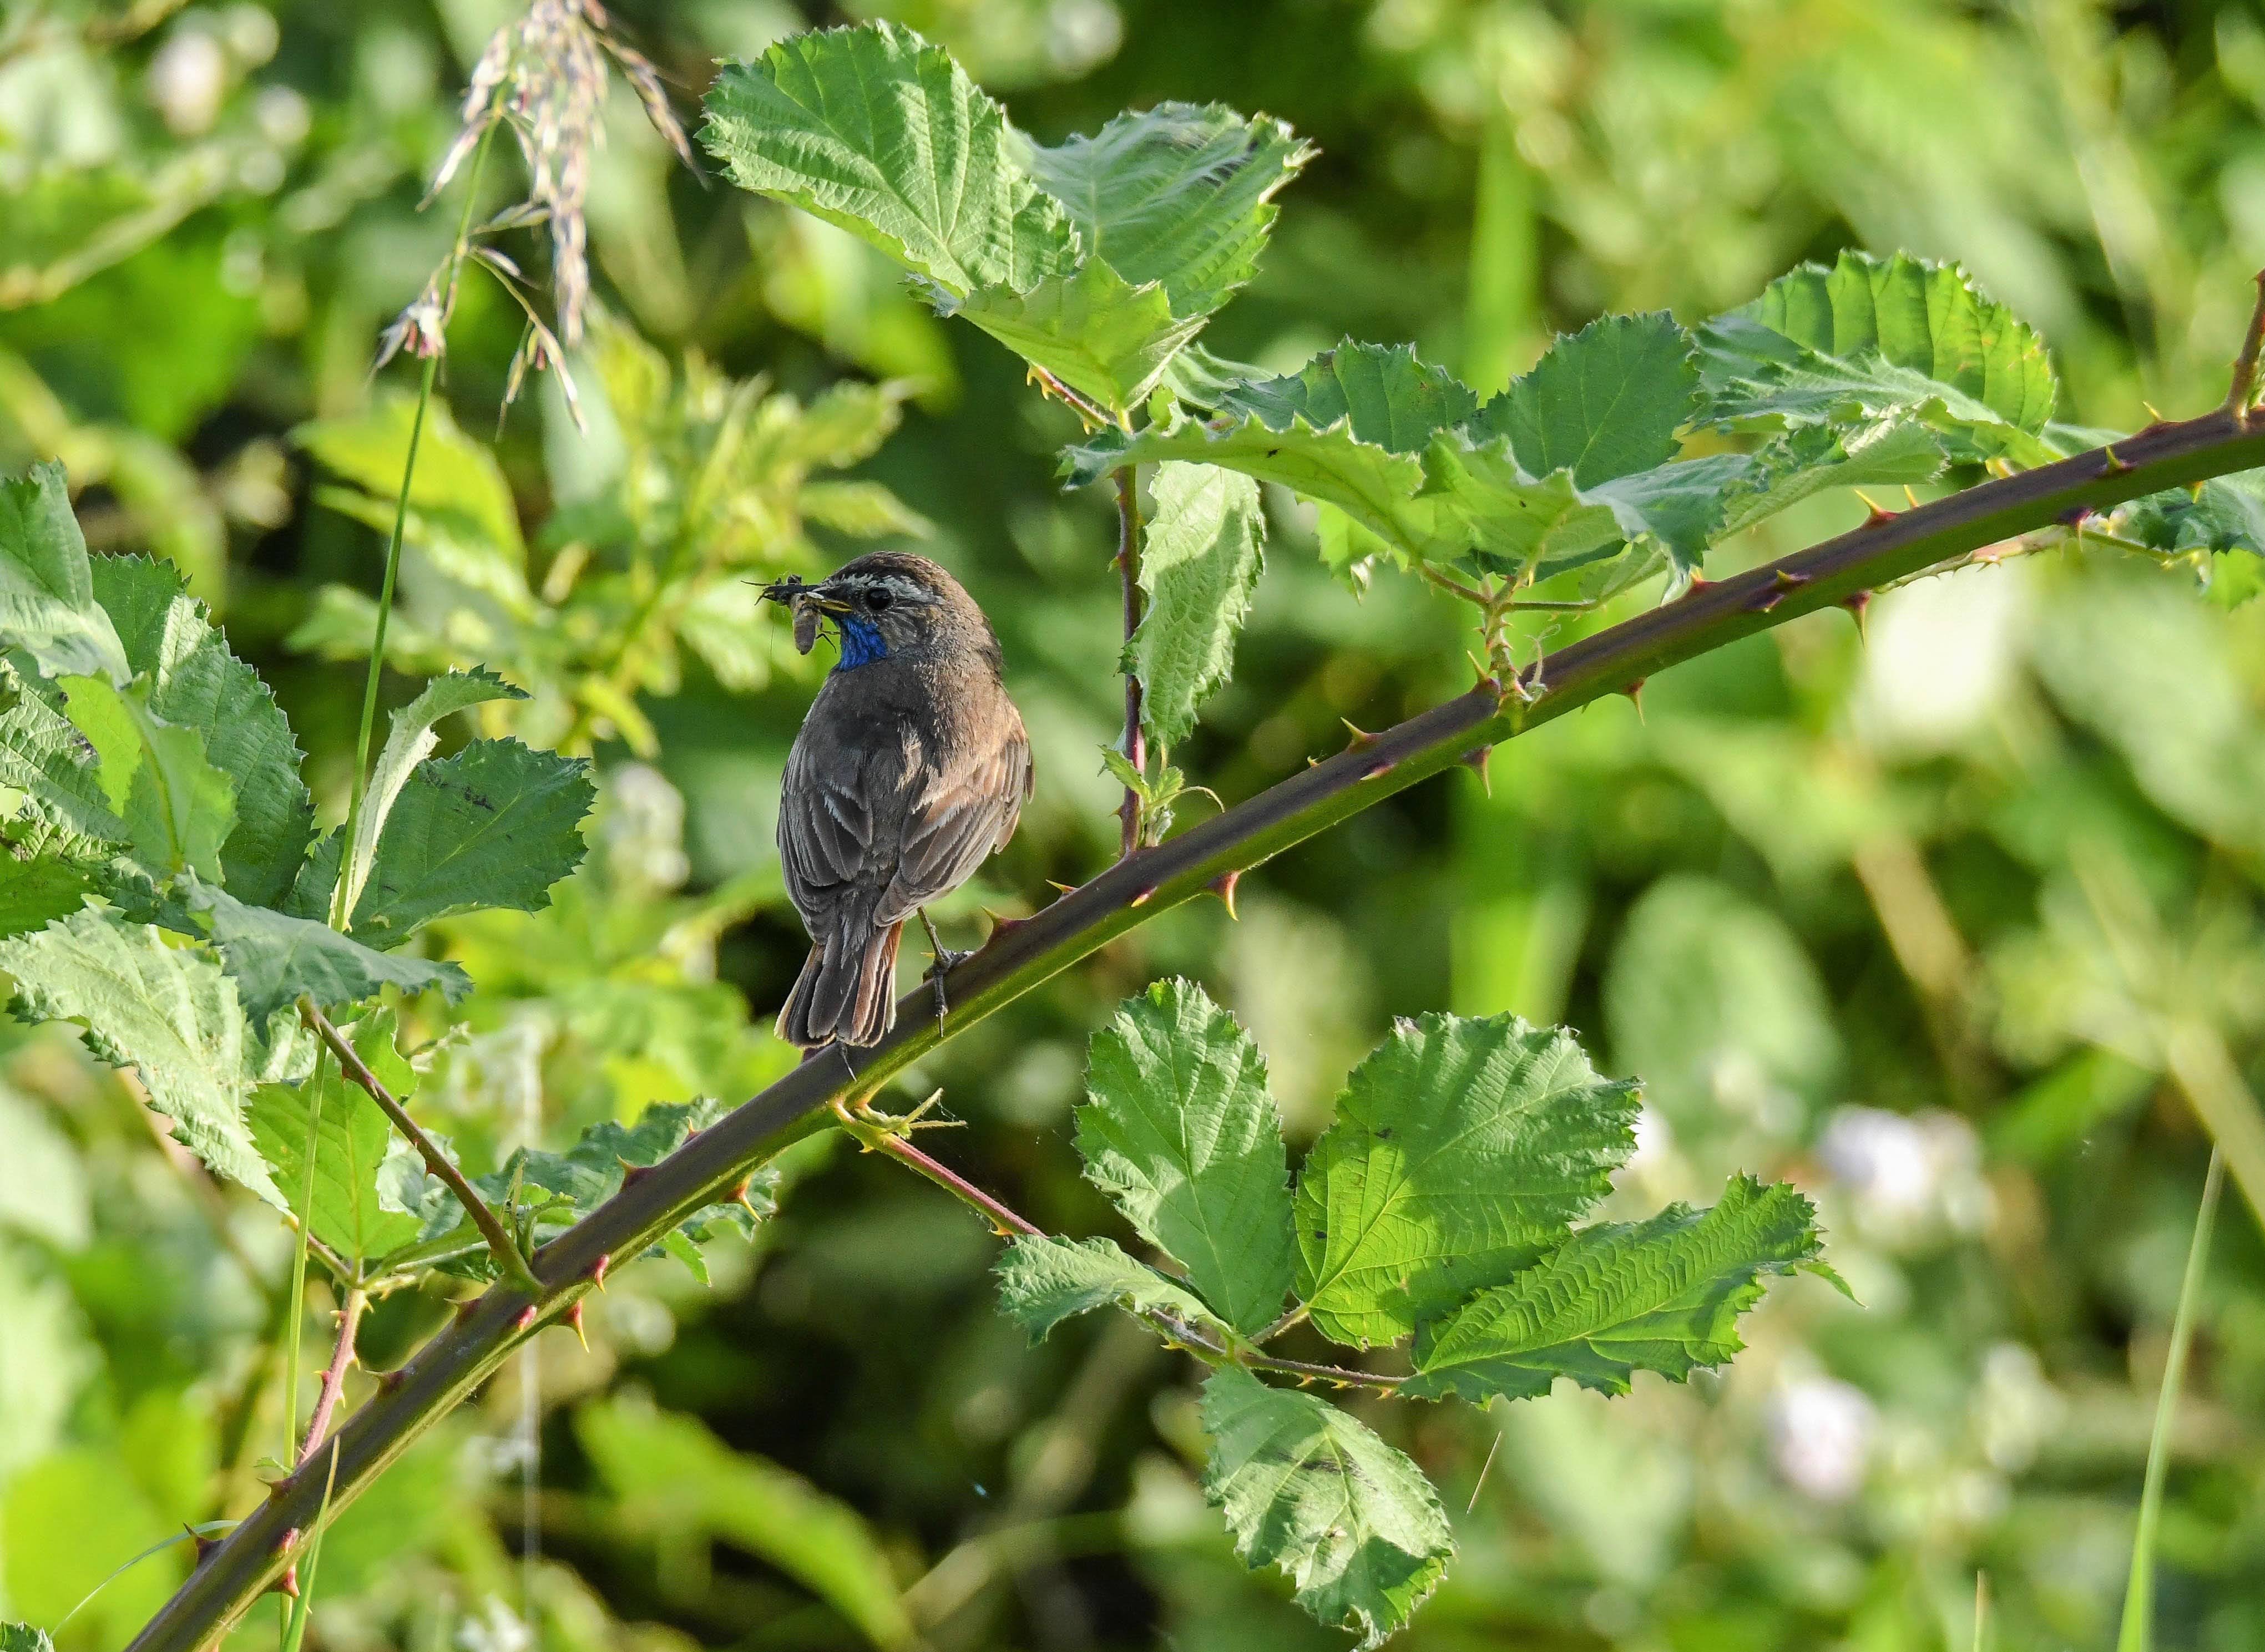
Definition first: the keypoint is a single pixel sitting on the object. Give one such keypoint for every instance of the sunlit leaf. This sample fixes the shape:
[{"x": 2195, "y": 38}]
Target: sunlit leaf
[
  {"x": 47, "y": 594},
  {"x": 1097, "y": 333},
  {"x": 1663, "y": 1295},
  {"x": 275, "y": 958},
  {"x": 35, "y": 892},
  {"x": 1463, "y": 1151},
  {"x": 1199, "y": 563},
  {"x": 458, "y": 499},
  {"x": 1179, "y": 1130},
  {"x": 1043, "y": 1280},
  {"x": 177, "y": 807},
  {"x": 1602, "y": 403},
  {"x": 168, "y": 1011},
  {"x": 1307, "y": 1488}
]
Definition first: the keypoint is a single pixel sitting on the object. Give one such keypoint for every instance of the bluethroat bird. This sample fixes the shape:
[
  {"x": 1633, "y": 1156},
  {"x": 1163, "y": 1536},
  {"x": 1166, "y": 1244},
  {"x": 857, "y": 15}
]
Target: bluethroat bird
[{"x": 910, "y": 770}]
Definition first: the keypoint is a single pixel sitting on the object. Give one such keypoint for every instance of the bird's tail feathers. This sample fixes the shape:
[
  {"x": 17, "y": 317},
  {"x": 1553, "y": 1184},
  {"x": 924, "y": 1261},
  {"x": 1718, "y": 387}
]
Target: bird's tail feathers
[{"x": 847, "y": 990}]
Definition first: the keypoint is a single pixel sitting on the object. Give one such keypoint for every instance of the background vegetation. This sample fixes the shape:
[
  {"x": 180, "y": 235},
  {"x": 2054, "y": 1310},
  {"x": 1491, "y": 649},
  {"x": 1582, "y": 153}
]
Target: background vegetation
[{"x": 1950, "y": 928}]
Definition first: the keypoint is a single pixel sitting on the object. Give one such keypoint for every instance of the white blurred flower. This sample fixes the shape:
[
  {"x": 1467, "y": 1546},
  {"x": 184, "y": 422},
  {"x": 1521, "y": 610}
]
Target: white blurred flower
[
  {"x": 281, "y": 115},
  {"x": 1909, "y": 1177},
  {"x": 496, "y": 1629},
  {"x": 641, "y": 830},
  {"x": 1821, "y": 1433},
  {"x": 187, "y": 80},
  {"x": 2015, "y": 1408},
  {"x": 1940, "y": 656}
]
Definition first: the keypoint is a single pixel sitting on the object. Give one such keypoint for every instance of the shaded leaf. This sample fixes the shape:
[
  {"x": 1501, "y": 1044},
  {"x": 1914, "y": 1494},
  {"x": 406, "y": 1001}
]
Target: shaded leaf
[
  {"x": 353, "y": 1141},
  {"x": 1043, "y": 1280},
  {"x": 408, "y": 741},
  {"x": 47, "y": 594},
  {"x": 1663, "y": 1295},
  {"x": 1463, "y": 1151},
  {"x": 36, "y": 892},
  {"x": 49, "y": 765},
  {"x": 167, "y": 1011},
  {"x": 275, "y": 958},
  {"x": 496, "y": 825},
  {"x": 1179, "y": 1130},
  {"x": 1602, "y": 403},
  {"x": 1306, "y": 1487},
  {"x": 1802, "y": 463},
  {"x": 1200, "y": 562},
  {"x": 197, "y": 683}
]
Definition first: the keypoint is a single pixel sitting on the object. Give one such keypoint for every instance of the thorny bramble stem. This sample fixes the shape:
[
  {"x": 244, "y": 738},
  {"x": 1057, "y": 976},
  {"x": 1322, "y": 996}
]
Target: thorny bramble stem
[
  {"x": 334, "y": 1378},
  {"x": 500, "y": 1243},
  {"x": 451, "y": 1365},
  {"x": 2245, "y": 365}
]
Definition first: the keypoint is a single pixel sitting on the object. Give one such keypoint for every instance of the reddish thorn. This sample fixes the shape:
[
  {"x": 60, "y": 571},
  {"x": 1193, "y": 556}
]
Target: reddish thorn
[
  {"x": 1361, "y": 737},
  {"x": 205, "y": 1546},
  {"x": 1857, "y": 604},
  {"x": 389, "y": 1382},
  {"x": 1141, "y": 898},
  {"x": 1223, "y": 886},
  {"x": 1476, "y": 760},
  {"x": 288, "y": 1583},
  {"x": 1006, "y": 926},
  {"x": 1066, "y": 889},
  {"x": 278, "y": 1488},
  {"x": 289, "y": 1541},
  {"x": 598, "y": 1269},
  {"x": 574, "y": 1318},
  {"x": 1377, "y": 771},
  {"x": 2113, "y": 465},
  {"x": 1766, "y": 599},
  {"x": 633, "y": 1174},
  {"x": 526, "y": 1320},
  {"x": 1699, "y": 582},
  {"x": 2074, "y": 516},
  {"x": 1790, "y": 579},
  {"x": 465, "y": 1309},
  {"x": 1878, "y": 517}
]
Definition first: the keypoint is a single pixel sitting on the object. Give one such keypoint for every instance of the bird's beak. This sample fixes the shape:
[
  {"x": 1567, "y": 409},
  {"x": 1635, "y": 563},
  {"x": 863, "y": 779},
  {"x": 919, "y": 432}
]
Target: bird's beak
[
  {"x": 825, "y": 600},
  {"x": 790, "y": 591}
]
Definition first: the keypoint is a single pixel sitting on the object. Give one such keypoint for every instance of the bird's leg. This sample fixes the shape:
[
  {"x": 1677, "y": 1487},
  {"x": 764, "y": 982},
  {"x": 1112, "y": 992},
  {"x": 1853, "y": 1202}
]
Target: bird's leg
[{"x": 943, "y": 958}]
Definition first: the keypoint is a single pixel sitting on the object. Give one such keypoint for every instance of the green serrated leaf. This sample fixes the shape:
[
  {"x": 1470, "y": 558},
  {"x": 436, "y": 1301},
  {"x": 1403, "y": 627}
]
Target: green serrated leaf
[
  {"x": 1463, "y": 1151},
  {"x": 167, "y": 1011},
  {"x": 1043, "y": 1280},
  {"x": 409, "y": 742},
  {"x": 354, "y": 1141},
  {"x": 496, "y": 825},
  {"x": 1307, "y": 1488},
  {"x": 2225, "y": 513},
  {"x": 1178, "y": 194},
  {"x": 47, "y": 595},
  {"x": 275, "y": 958},
  {"x": 47, "y": 763},
  {"x": 1803, "y": 463},
  {"x": 1663, "y": 1295},
  {"x": 1873, "y": 338},
  {"x": 1094, "y": 331},
  {"x": 196, "y": 683},
  {"x": 177, "y": 807},
  {"x": 843, "y": 424},
  {"x": 459, "y": 502},
  {"x": 1602, "y": 403},
  {"x": 1199, "y": 564},
  {"x": 22, "y": 1637},
  {"x": 36, "y": 892},
  {"x": 875, "y": 130},
  {"x": 1180, "y": 1131}
]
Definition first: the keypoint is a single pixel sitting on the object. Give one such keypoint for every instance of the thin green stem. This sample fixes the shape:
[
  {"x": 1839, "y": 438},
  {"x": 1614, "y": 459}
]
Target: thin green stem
[
  {"x": 295, "y": 1312},
  {"x": 2137, "y": 1633},
  {"x": 450, "y": 1367},
  {"x": 359, "y": 780},
  {"x": 1128, "y": 568}
]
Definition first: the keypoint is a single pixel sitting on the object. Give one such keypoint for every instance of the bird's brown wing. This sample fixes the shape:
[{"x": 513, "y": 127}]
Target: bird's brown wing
[
  {"x": 961, "y": 816},
  {"x": 837, "y": 799}
]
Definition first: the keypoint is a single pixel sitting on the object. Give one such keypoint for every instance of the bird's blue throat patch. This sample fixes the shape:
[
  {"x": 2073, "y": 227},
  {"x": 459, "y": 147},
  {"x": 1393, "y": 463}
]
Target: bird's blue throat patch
[{"x": 860, "y": 644}]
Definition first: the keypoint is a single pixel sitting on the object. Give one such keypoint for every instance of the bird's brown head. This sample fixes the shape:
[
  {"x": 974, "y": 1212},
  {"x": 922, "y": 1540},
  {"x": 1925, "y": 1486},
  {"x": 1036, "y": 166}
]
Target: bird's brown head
[{"x": 890, "y": 603}]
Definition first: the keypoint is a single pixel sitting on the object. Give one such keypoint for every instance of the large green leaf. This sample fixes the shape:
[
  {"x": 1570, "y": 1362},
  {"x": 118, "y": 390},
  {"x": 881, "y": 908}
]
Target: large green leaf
[
  {"x": 35, "y": 892},
  {"x": 1043, "y": 1280},
  {"x": 1463, "y": 1151},
  {"x": 1179, "y": 1130},
  {"x": 496, "y": 825},
  {"x": 1602, "y": 403},
  {"x": 196, "y": 683},
  {"x": 47, "y": 595},
  {"x": 408, "y": 742},
  {"x": 167, "y": 1011},
  {"x": 1307, "y": 1488},
  {"x": 1871, "y": 338},
  {"x": 2223, "y": 513},
  {"x": 177, "y": 807},
  {"x": 675, "y": 1481},
  {"x": 276, "y": 958},
  {"x": 353, "y": 1140},
  {"x": 1178, "y": 194},
  {"x": 1664, "y": 1295},
  {"x": 875, "y": 130},
  {"x": 1800, "y": 464},
  {"x": 1199, "y": 564}
]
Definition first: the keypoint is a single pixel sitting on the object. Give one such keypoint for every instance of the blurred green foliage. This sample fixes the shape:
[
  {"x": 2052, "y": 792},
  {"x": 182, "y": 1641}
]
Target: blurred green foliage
[{"x": 1959, "y": 928}]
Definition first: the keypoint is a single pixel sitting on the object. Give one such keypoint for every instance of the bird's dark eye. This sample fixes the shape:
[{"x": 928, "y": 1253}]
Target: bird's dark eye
[{"x": 878, "y": 601}]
